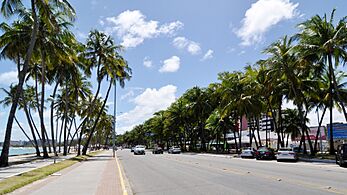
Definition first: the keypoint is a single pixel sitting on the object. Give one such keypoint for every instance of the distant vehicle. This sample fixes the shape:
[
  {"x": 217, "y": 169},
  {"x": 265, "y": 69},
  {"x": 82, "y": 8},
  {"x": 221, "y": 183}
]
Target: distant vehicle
[
  {"x": 265, "y": 153},
  {"x": 286, "y": 154},
  {"x": 247, "y": 153},
  {"x": 157, "y": 150},
  {"x": 132, "y": 149},
  {"x": 174, "y": 150},
  {"x": 341, "y": 155},
  {"x": 139, "y": 149}
]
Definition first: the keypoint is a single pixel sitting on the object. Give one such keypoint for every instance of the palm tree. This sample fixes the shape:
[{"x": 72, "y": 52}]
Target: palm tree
[
  {"x": 322, "y": 43},
  {"x": 23, "y": 104},
  {"x": 291, "y": 124},
  {"x": 284, "y": 64},
  {"x": 39, "y": 8},
  {"x": 110, "y": 65}
]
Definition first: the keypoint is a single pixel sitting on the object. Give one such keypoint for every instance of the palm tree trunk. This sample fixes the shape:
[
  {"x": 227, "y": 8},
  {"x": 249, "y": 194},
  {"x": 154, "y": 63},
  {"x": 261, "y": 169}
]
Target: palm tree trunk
[
  {"x": 52, "y": 117},
  {"x": 331, "y": 72},
  {"x": 34, "y": 125},
  {"x": 318, "y": 130},
  {"x": 258, "y": 129},
  {"x": 43, "y": 128},
  {"x": 240, "y": 133},
  {"x": 32, "y": 130},
  {"x": 61, "y": 132},
  {"x": 26, "y": 135},
  {"x": 235, "y": 139},
  {"x": 19, "y": 90},
  {"x": 85, "y": 147},
  {"x": 66, "y": 118}
]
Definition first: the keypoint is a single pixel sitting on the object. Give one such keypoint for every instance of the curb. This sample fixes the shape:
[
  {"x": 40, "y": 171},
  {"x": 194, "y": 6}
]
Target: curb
[
  {"x": 126, "y": 185},
  {"x": 326, "y": 161}
]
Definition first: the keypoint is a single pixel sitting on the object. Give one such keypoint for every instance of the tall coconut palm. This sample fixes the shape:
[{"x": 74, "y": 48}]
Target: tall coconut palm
[
  {"x": 39, "y": 8},
  {"x": 284, "y": 64},
  {"x": 23, "y": 104},
  {"x": 323, "y": 43}
]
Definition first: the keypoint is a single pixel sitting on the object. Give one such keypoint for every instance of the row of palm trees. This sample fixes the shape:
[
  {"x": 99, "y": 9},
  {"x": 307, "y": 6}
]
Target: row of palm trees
[
  {"x": 304, "y": 69},
  {"x": 40, "y": 42}
]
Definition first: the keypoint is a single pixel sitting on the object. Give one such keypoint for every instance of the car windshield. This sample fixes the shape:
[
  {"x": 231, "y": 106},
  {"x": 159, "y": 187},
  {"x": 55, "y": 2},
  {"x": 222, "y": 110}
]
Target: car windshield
[
  {"x": 263, "y": 149},
  {"x": 139, "y": 146}
]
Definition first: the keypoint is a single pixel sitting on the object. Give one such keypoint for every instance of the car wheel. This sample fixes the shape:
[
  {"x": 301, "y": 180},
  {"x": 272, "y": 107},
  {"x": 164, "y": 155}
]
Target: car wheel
[{"x": 341, "y": 163}]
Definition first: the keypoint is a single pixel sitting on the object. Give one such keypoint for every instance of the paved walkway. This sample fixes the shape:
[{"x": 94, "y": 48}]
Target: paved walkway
[
  {"x": 32, "y": 162},
  {"x": 97, "y": 175}
]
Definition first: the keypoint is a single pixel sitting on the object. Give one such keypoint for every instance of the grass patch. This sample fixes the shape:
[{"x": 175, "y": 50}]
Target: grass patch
[{"x": 12, "y": 183}]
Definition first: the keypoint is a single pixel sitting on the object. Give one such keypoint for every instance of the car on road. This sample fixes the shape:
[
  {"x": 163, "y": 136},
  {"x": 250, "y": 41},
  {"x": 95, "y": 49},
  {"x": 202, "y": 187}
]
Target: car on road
[
  {"x": 174, "y": 150},
  {"x": 157, "y": 150},
  {"x": 139, "y": 149},
  {"x": 247, "y": 153},
  {"x": 286, "y": 154},
  {"x": 341, "y": 155},
  {"x": 132, "y": 149},
  {"x": 265, "y": 153}
]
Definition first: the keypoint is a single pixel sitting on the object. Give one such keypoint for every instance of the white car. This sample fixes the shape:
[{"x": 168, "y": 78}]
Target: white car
[
  {"x": 247, "y": 153},
  {"x": 286, "y": 154},
  {"x": 139, "y": 149},
  {"x": 174, "y": 150}
]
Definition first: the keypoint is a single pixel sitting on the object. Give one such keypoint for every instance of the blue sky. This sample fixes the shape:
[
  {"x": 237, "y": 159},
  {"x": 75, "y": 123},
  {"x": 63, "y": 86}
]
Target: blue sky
[{"x": 172, "y": 46}]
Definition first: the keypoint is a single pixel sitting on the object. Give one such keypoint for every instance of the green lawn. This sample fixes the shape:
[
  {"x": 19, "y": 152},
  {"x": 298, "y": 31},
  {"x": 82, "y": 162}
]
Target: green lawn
[{"x": 12, "y": 183}]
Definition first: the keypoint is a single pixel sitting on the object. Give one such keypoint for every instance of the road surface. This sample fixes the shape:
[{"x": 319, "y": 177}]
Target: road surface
[{"x": 209, "y": 174}]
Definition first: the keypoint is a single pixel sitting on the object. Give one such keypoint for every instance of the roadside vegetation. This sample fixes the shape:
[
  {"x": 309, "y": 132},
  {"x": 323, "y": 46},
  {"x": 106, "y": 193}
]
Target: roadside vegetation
[
  {"x": 37, "y": 37},
  {"x": 305, "y": 69}
]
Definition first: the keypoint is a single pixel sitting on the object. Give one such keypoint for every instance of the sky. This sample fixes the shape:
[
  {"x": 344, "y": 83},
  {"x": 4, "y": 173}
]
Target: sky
[{"x": 173, "y": 46}]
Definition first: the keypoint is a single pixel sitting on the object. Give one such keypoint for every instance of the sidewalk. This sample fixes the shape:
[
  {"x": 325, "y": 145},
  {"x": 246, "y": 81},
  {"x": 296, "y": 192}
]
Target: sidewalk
[
  {"x": 97, "y": 175},
  {"x": 32, "y": 162}
]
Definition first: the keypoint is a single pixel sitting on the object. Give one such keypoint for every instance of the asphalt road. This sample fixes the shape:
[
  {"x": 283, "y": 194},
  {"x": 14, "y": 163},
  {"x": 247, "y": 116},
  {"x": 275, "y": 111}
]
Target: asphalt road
[{"x": 209, "y": 174}]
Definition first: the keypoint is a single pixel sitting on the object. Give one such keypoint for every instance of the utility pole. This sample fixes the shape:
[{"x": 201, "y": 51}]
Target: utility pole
[{"x": 114, "y": 121}]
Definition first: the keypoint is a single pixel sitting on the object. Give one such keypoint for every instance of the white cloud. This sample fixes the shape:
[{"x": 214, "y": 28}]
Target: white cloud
[
  {"x": 146, "y": 104},
  {"x": 133, "y": 28},
  {"x": 241, "y": 53},
  {"x": 147, "y": 62},
  {"x": 262, "y": 15},
  {"x": 171, "y": 65},
  {"x": 186, "y": 44},
  {"x": 127, "y": 95},
  {"x": 208, "y": 55},
  {"x": 7, "y": 78}
]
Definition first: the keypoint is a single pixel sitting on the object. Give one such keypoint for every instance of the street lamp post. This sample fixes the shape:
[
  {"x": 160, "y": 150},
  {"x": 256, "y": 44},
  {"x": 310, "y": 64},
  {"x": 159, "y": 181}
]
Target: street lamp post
[{"x": 114, "y": 121}]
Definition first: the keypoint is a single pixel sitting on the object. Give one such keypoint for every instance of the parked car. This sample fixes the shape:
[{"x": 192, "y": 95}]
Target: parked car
[
  {"x": 247, "y": 153},
  {"x": 286, "y": 154},
  {"x": 139, "y": 149},
  {"x": 265, "y": 153},
  {"x": 341, "y": 155},
  {"x": 174, "y": 150},
  {"x": 157, "y": 150},
  {"x": 132, "y": 149}
]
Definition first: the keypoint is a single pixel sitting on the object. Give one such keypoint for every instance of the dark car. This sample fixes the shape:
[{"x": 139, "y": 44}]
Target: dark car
[
  {"x": 157, "y": 150},
  {"x": 341, "y": 155},
  {"x": 265, "y": 153}
]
